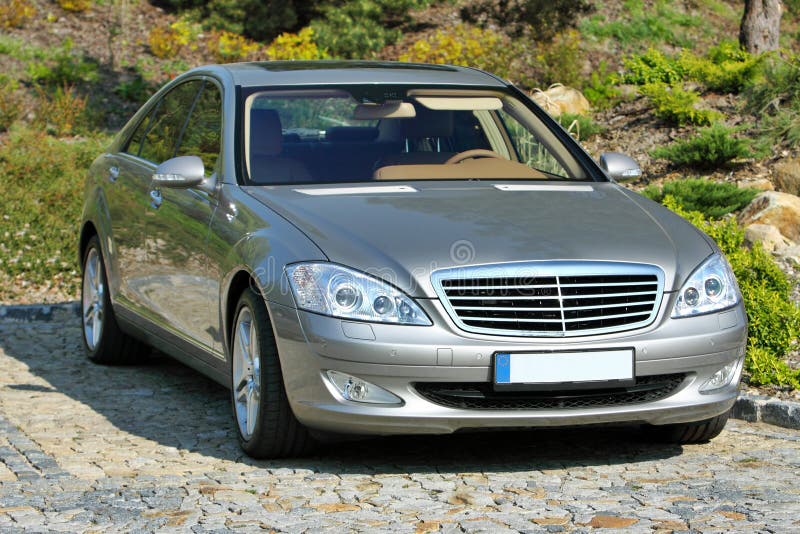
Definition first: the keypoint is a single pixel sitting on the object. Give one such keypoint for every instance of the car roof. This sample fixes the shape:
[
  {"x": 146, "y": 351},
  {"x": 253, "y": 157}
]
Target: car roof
[{"x": 355, "y": 72}]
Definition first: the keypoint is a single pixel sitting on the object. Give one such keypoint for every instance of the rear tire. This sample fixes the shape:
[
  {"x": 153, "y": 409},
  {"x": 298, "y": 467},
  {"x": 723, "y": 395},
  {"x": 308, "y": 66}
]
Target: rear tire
[
  {"x": 687, "y": 433},
  {"x": 265, "y": 424},
  {"x": 103, "y": 340}
]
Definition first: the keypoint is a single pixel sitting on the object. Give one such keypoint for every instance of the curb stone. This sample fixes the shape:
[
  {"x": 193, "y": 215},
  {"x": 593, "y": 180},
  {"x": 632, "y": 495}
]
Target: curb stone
[{"x": 750, "y": 408}]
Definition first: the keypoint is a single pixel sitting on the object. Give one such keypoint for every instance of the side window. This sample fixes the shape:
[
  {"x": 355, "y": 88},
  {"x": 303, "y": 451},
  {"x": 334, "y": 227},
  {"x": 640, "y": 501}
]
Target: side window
[
  {"x": 530, "y": 150},
  {"x": 202, "y": 134},
  {"x": 135, "y": 142},
  {"x": 165, "y": 125}
]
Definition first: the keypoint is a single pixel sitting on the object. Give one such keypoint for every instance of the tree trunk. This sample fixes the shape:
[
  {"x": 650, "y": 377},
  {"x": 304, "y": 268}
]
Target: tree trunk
[{"x": 761, "y": 25}]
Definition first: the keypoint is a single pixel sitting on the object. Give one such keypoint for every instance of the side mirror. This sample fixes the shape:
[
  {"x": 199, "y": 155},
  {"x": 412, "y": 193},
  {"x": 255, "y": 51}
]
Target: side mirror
[
  {"x": 620, "y": 167},
  {"x": 180, "y": 172}
]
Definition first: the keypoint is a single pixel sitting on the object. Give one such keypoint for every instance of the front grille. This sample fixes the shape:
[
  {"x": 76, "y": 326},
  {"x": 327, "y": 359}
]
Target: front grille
[
  {"x": 551, "y": 298},
  {"x": 481, "y": 395}
]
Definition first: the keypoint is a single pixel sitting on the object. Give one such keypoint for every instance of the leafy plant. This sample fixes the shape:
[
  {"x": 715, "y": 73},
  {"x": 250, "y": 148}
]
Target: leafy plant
[
  {"x": 298, "y": 45},
  {"x": 62, "y": 111},
  {"x": 710, "y": 148},
  {"x": 712, "y": 199},
  {"x": 547, "y": 17},
  {"x": 357, "y": 29},
  {"x": 11, "y": 102},
  {"x": 652, "y": 67},
  {"x": 726, "y": 68},
  {"x": 135, "y": 89},
  {"x": 580, "y": 126},
  {"x": 15, "y": 13},
  {"x": 77, "y": 6},
  {"x": 227, "y": 47},
  {"x": 678, "y": 106},
  {"x": 774, "y": 320},
  {"x": 776, "y": 100},
  {"x": 601, "y": 90},
  {"x": 164, "y": 42}
]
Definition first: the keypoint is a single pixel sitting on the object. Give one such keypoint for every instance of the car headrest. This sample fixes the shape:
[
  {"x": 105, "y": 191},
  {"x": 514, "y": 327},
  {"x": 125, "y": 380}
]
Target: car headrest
[
  {"x": 266, "y": 138},
  {"x": 428, "y": 123},
  {"x": 351, "y": 134}
]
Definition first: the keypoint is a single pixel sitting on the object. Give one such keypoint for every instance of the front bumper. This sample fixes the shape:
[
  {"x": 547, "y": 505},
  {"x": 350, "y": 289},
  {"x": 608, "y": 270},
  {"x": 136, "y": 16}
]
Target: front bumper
[{"x": 398, "y": 357}]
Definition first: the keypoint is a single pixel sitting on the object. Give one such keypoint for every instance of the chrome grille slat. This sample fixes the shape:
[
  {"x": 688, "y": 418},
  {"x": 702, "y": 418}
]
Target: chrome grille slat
[{"x": 551, "y": 298}]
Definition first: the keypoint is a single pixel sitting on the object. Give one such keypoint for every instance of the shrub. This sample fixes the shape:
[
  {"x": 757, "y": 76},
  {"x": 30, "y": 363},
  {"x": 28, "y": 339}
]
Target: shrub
[
  {"x": 299, "y": 45},
  {"x": 580, "y": 126},
  {"x": 464, "y": 45},
  {"x": 712, "y": 199},
  {"x": 711, "y": 147},
  {"x": 727, "y": 67},
  {"x": 164, "y": 42},
  {"x": 652, "y": 67},
  {"x": 61, "y": 112},
  {"x": 678, "y": 106},
  {"x": 776, "y": 100},
  {"x": 76, "y": 6},
  {"x": 227, "y": 47},
  {"x": 11, "y": 102},
  {"x": 554, "y": 61},
  {"x": 63, "y": 66},
  {"x": 359, "y": 28},
  {"x": 774, "y": 320},
  {"x": 135, "y": 89},
  {"x": 38, "y": 231},
  {"x": 15, "y": 13},
  {"x": 521, "y": 17},
  {"x": 601, "y": 90}
]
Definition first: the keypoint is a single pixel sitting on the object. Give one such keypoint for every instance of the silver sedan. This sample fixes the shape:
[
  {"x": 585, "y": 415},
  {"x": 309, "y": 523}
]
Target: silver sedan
[{"x": 388, "y": 248}]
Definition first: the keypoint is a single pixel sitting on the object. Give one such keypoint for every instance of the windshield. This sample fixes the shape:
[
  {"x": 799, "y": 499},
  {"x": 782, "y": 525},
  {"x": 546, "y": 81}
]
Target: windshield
[{"x": 355, "y": 135}]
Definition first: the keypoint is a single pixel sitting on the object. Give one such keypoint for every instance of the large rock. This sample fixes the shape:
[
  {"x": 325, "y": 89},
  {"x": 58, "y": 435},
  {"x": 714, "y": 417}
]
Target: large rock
[
  {"x": 780, "y": 210},
  {"x": 769, "y": 237},
  {"x": 786, "y": 175},
  {"x": 559, "y": 99}
]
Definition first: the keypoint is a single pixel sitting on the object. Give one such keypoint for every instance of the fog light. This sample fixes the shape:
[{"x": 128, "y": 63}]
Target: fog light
[
  {"x": 723, "y": 377},
  {"x": 355, "y": 389}
]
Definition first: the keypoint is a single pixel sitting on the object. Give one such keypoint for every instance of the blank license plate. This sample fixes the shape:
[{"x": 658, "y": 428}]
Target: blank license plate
[{"x": 563, "y": 367}]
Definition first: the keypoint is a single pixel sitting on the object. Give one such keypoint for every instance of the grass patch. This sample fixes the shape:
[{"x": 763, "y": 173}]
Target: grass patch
[{"x": 44, "y": 180}]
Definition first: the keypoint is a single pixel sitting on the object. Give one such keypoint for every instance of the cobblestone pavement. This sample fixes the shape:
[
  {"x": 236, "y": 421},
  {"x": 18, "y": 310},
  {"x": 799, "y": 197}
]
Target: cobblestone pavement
[{"x": 90, "y": 448}]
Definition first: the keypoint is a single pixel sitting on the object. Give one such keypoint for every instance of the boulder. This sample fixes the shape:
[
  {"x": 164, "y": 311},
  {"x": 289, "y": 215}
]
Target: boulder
[
  {"x": 780, "y": 210},
  {"x": 769, "y": 237},
  {"x": 559, "y": 99},
  {"x": 762, "y": 184},
  {"x": 786, "y": 175},
  {"x": 790, "y": 253}
]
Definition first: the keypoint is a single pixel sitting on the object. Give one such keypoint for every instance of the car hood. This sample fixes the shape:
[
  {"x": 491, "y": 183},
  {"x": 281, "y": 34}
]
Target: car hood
[{"x": 402, "y": 232}]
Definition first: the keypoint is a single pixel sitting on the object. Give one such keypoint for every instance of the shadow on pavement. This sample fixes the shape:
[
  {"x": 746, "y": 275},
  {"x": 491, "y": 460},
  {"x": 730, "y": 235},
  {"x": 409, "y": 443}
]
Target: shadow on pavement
[{"x": 166, "y": 402}]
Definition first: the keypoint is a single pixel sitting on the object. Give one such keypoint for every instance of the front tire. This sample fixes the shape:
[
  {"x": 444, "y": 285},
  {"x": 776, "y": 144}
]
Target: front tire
[
  {"x": 103, "y": 340},
  {"x": 266, "y": 426},
  {"x": 688, "y": 433}
]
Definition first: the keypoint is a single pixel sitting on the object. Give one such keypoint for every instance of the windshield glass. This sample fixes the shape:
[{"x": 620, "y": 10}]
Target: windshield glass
[{"x": 354, "y": 135}]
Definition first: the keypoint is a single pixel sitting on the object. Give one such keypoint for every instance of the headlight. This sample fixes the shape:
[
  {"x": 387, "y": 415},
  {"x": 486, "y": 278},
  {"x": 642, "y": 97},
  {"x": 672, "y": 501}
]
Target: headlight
[
  {"x": 334, "y": 290},
  {"x": 711, "y": 287}
]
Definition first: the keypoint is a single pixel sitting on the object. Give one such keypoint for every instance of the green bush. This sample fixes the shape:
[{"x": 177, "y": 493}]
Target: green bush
[
  {"x": 356, "y": 29},
  {"x": 580, "y": 126},
  {"x": 38, "y": 232},
  {"x": 710, "y": 148},
  {"x": 726, "y": 68},
  {"x": 546, "y": 18},
  {"x": 774, "y": 320},
  {"x": 601, "y": 90},
  {"x": 652, "y": 67},
  {"x": 712, "y": 199},
  {"x": 11, "y": 102},
  {"x": 678, "y": 106}
]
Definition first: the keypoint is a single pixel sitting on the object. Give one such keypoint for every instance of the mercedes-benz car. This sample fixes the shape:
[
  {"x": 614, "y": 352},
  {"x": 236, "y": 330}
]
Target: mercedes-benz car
[{"x": 384, "y": 248}]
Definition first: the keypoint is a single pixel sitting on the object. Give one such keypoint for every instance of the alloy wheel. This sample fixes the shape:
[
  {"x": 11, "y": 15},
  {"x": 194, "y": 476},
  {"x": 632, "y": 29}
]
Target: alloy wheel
[
  {"x": 92, "y": 298},
  {"x": 246, "y": 372}
]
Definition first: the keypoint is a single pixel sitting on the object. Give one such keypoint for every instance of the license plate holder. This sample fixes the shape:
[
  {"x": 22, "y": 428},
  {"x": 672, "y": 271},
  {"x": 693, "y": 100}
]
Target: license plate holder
[{"x": 564, "y": 370}]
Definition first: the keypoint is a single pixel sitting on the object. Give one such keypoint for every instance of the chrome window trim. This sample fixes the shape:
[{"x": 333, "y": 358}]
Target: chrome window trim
[{"x": 548, "y": 269}]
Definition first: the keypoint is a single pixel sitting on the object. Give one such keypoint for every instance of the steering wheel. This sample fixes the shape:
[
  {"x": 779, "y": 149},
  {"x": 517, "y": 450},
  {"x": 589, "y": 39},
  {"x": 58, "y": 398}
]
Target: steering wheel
[{"x": 472, "y": 154}]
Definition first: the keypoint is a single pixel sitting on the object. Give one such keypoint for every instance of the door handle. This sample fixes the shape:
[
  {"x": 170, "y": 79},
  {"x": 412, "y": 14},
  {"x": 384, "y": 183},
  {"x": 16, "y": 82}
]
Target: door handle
[
  {"x": 113, "y": 174},
  {"x": 155, "y": 199}
]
